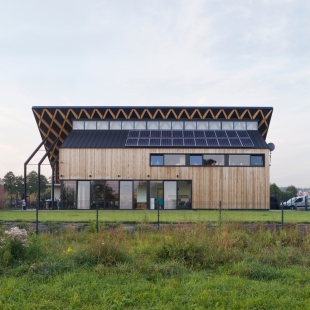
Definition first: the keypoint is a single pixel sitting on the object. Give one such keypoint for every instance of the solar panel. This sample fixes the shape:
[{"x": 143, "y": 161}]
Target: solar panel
[
  {"x": 131, "y": 142},
  {"x": 200, "y": 142},
  {"x": 177, "y": 142},
  {"x": 224, "y": 142},
  {"x": 166, "y": 142},
  {"x": 144, "y": 133},
  {"x": 231, "y": 134},
  {"x": 154, "y": 142},
  {"x": 156, "y": 134},
  {"x": 199, "y": 134},
  {"x": 221, "y": 134},
  {"x": 246, "y": 142},
  {"x": 133, "y": 134},
  {"x": 212, "y": 142},
  {"x": 235, "y": 142},
  {"x": 189, "y": 142},
  {"x": 177, "y": 134},
  {"x": 188, "y": 134},
  {"x": 210, "y": 134},
  {"x": 166, "y": 134},
  {"x": 143, "y": 142},
  {"x": 243, "y": 134},
  {"x": 192, "y": 138}
]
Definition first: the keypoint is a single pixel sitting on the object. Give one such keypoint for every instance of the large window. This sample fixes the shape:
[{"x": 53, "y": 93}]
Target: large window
[
  {"x": 140, "y": 194},
  {"x": 105, "y": 194},
  {"x": 174, "y": 160},
  {"x": 156, "y": 195},
  {"x": 170, "y": 194},
  {"x": 207, "y": 160},
  {"x": 97, "y": 194},
  {"x": 195, "y": 160},
  {"x": 117, "y": 125},
  {"x": 89, "y": 125},
  {"x": 68, "y": 200},
  {"x": 83, "y": 195},
  {"x": 111, "y": 195},
  {"x": 239, "y": 160},
  {"x": 157, "y": 160},
  {"x": 103, "y": 125},
  {"x": 184, "y": 195},
  {"x": 213, "y": 160},
  {"x": 163, "y": 125},
  {"x": 125, "y": 199},
  {"x": 257, "y": 160}
]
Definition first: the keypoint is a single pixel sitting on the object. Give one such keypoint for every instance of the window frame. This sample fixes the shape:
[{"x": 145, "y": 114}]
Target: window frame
[
  {"x": 226, "y": 160},
  {"x": 157, "y": 155}
]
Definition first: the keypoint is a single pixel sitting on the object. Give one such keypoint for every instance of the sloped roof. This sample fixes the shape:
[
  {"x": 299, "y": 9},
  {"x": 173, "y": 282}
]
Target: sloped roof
[
  {"x": 56, "y": 121},
  {"x": 117, "y": 139}
]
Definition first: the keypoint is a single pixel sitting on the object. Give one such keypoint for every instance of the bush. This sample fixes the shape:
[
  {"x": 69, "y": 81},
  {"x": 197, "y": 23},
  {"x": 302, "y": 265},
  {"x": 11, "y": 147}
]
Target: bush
[{"x": 13, "y": 246}]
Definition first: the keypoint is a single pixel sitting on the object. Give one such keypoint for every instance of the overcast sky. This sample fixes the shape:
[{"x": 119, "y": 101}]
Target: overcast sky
[{"x": 170, "y": 53}]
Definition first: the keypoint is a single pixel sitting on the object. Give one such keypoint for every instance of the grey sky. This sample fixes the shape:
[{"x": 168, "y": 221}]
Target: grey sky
[{"x": 226, "y": 53}]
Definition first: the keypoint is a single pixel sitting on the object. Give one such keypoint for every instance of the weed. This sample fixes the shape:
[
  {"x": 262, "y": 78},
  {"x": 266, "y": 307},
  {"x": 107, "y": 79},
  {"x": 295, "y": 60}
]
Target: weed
[{"x": 92, "y": 225}]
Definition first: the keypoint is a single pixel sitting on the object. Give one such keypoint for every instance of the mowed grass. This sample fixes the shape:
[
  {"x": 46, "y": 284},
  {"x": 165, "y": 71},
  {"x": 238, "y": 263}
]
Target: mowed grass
[
  {"x": 137, "y": 216},
  {"x": 187, "y": 267}
]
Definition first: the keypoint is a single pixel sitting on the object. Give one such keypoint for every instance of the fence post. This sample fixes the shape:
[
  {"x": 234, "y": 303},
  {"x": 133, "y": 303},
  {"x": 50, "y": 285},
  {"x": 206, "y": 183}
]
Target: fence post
[
  {"x": 220, "y": 212},
  {"x": 97, "y": 216},
  {"x": 157, "y": 216},
  {"x": 37, "y": 216},
  {"x": 282, "y": 216}
]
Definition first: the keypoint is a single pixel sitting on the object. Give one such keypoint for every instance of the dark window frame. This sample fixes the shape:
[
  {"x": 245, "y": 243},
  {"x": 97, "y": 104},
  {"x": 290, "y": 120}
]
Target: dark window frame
[
  {"x": 148, "y": 182},
  {"x": 226, "y": 160},
  {"x": 162, "y": 155}
]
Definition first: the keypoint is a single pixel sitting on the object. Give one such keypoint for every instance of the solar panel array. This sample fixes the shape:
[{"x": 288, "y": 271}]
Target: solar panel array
[{"x": 190, "y": 138}]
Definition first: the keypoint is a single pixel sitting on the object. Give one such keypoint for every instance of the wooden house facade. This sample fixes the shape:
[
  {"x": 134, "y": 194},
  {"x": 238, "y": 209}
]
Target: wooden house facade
[{"x": 168, "y": 158}]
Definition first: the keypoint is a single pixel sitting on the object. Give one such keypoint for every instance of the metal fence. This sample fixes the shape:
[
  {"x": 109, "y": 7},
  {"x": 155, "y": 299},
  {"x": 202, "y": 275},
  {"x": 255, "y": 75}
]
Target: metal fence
[{"x": 214, "y": 213}]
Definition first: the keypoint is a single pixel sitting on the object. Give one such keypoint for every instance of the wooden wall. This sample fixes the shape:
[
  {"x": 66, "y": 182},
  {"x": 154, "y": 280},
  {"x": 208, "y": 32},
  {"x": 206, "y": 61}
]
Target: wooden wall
[{"x": 237, "y": 187}]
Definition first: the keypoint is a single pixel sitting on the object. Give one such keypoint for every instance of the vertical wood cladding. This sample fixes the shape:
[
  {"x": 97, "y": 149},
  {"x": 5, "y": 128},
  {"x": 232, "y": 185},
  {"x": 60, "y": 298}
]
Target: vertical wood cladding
[{"x": 237, "y": 187}]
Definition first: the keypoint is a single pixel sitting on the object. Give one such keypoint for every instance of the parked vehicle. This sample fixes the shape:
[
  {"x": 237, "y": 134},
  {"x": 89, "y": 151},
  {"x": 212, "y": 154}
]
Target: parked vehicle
[
  {"x": 302, "y": 202},
  {"x": 290, "y": 204}
]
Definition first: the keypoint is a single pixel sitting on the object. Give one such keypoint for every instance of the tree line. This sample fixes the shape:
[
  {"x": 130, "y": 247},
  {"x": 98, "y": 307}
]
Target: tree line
[
  {"x": 15, "y": 184},
  {"x": 290, "y": 191}
]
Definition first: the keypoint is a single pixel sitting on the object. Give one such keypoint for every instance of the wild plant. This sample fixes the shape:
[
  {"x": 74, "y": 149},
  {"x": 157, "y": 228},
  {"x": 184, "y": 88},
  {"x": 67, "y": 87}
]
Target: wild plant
[{"x": 13, "y": 245}]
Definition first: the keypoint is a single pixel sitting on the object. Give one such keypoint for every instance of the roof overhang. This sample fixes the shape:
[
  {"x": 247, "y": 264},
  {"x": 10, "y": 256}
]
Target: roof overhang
[{"x": 56, "y": 122}]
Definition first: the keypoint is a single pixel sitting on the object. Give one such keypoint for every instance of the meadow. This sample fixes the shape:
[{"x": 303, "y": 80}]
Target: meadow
[
  {"x": 200, "y": 266},
  {"x": 136, "y": 216}
]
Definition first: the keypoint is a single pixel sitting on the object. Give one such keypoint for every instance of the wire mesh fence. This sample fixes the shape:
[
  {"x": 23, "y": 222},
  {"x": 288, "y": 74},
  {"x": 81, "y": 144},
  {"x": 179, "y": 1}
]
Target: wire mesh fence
[{"x": 216, "y": 212}]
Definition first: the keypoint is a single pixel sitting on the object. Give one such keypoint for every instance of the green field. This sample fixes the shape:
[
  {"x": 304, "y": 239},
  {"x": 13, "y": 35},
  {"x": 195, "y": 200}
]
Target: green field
[
  {"x": 138, "y": 216},
  {"x": 188, "y": 267}
]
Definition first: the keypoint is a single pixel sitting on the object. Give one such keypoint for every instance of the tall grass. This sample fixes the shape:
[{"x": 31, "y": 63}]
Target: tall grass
[{"x": 183, "y": 267}]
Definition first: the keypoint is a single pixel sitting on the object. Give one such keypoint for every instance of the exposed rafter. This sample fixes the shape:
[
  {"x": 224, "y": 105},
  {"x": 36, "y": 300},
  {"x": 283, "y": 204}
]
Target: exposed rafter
[{"x": 56, "y": 122}]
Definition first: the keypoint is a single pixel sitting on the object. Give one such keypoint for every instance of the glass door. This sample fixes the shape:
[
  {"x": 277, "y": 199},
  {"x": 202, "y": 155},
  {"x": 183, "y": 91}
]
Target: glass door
[
  {"x": 170, "y": 194},
  {"x": 125, "y": 201},
  {"x": 156, "y": 195},
  {"x": 83, "y": 195}
]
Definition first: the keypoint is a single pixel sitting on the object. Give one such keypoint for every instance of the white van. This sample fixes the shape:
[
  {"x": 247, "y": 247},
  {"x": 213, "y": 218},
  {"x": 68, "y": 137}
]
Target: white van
[
  {"x": 302, "y": 202},
  {"x": 290, "y": 204}
]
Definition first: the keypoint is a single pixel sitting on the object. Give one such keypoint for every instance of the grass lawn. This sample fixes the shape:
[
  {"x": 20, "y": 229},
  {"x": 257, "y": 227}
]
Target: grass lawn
[
  {"x": 187, "y": 267},
  {"x": 138, "y": 216}
]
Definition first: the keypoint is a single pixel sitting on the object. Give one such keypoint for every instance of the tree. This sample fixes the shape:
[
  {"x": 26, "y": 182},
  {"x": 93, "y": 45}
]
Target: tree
[
  {"x": 291, "y": 191},
  {"x": 19, "y": 184},
  {"x": 32, "y": 183},
  {"x": 275, "y": 190},
  {"x": 9, "y": 182}
]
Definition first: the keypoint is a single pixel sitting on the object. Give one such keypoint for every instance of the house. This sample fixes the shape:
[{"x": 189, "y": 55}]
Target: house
[{"x": 158, "y": 157}]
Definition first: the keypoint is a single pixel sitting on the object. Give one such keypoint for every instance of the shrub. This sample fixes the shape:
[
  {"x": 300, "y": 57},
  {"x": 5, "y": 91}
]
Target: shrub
[{"x": 13, "y": 245}]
